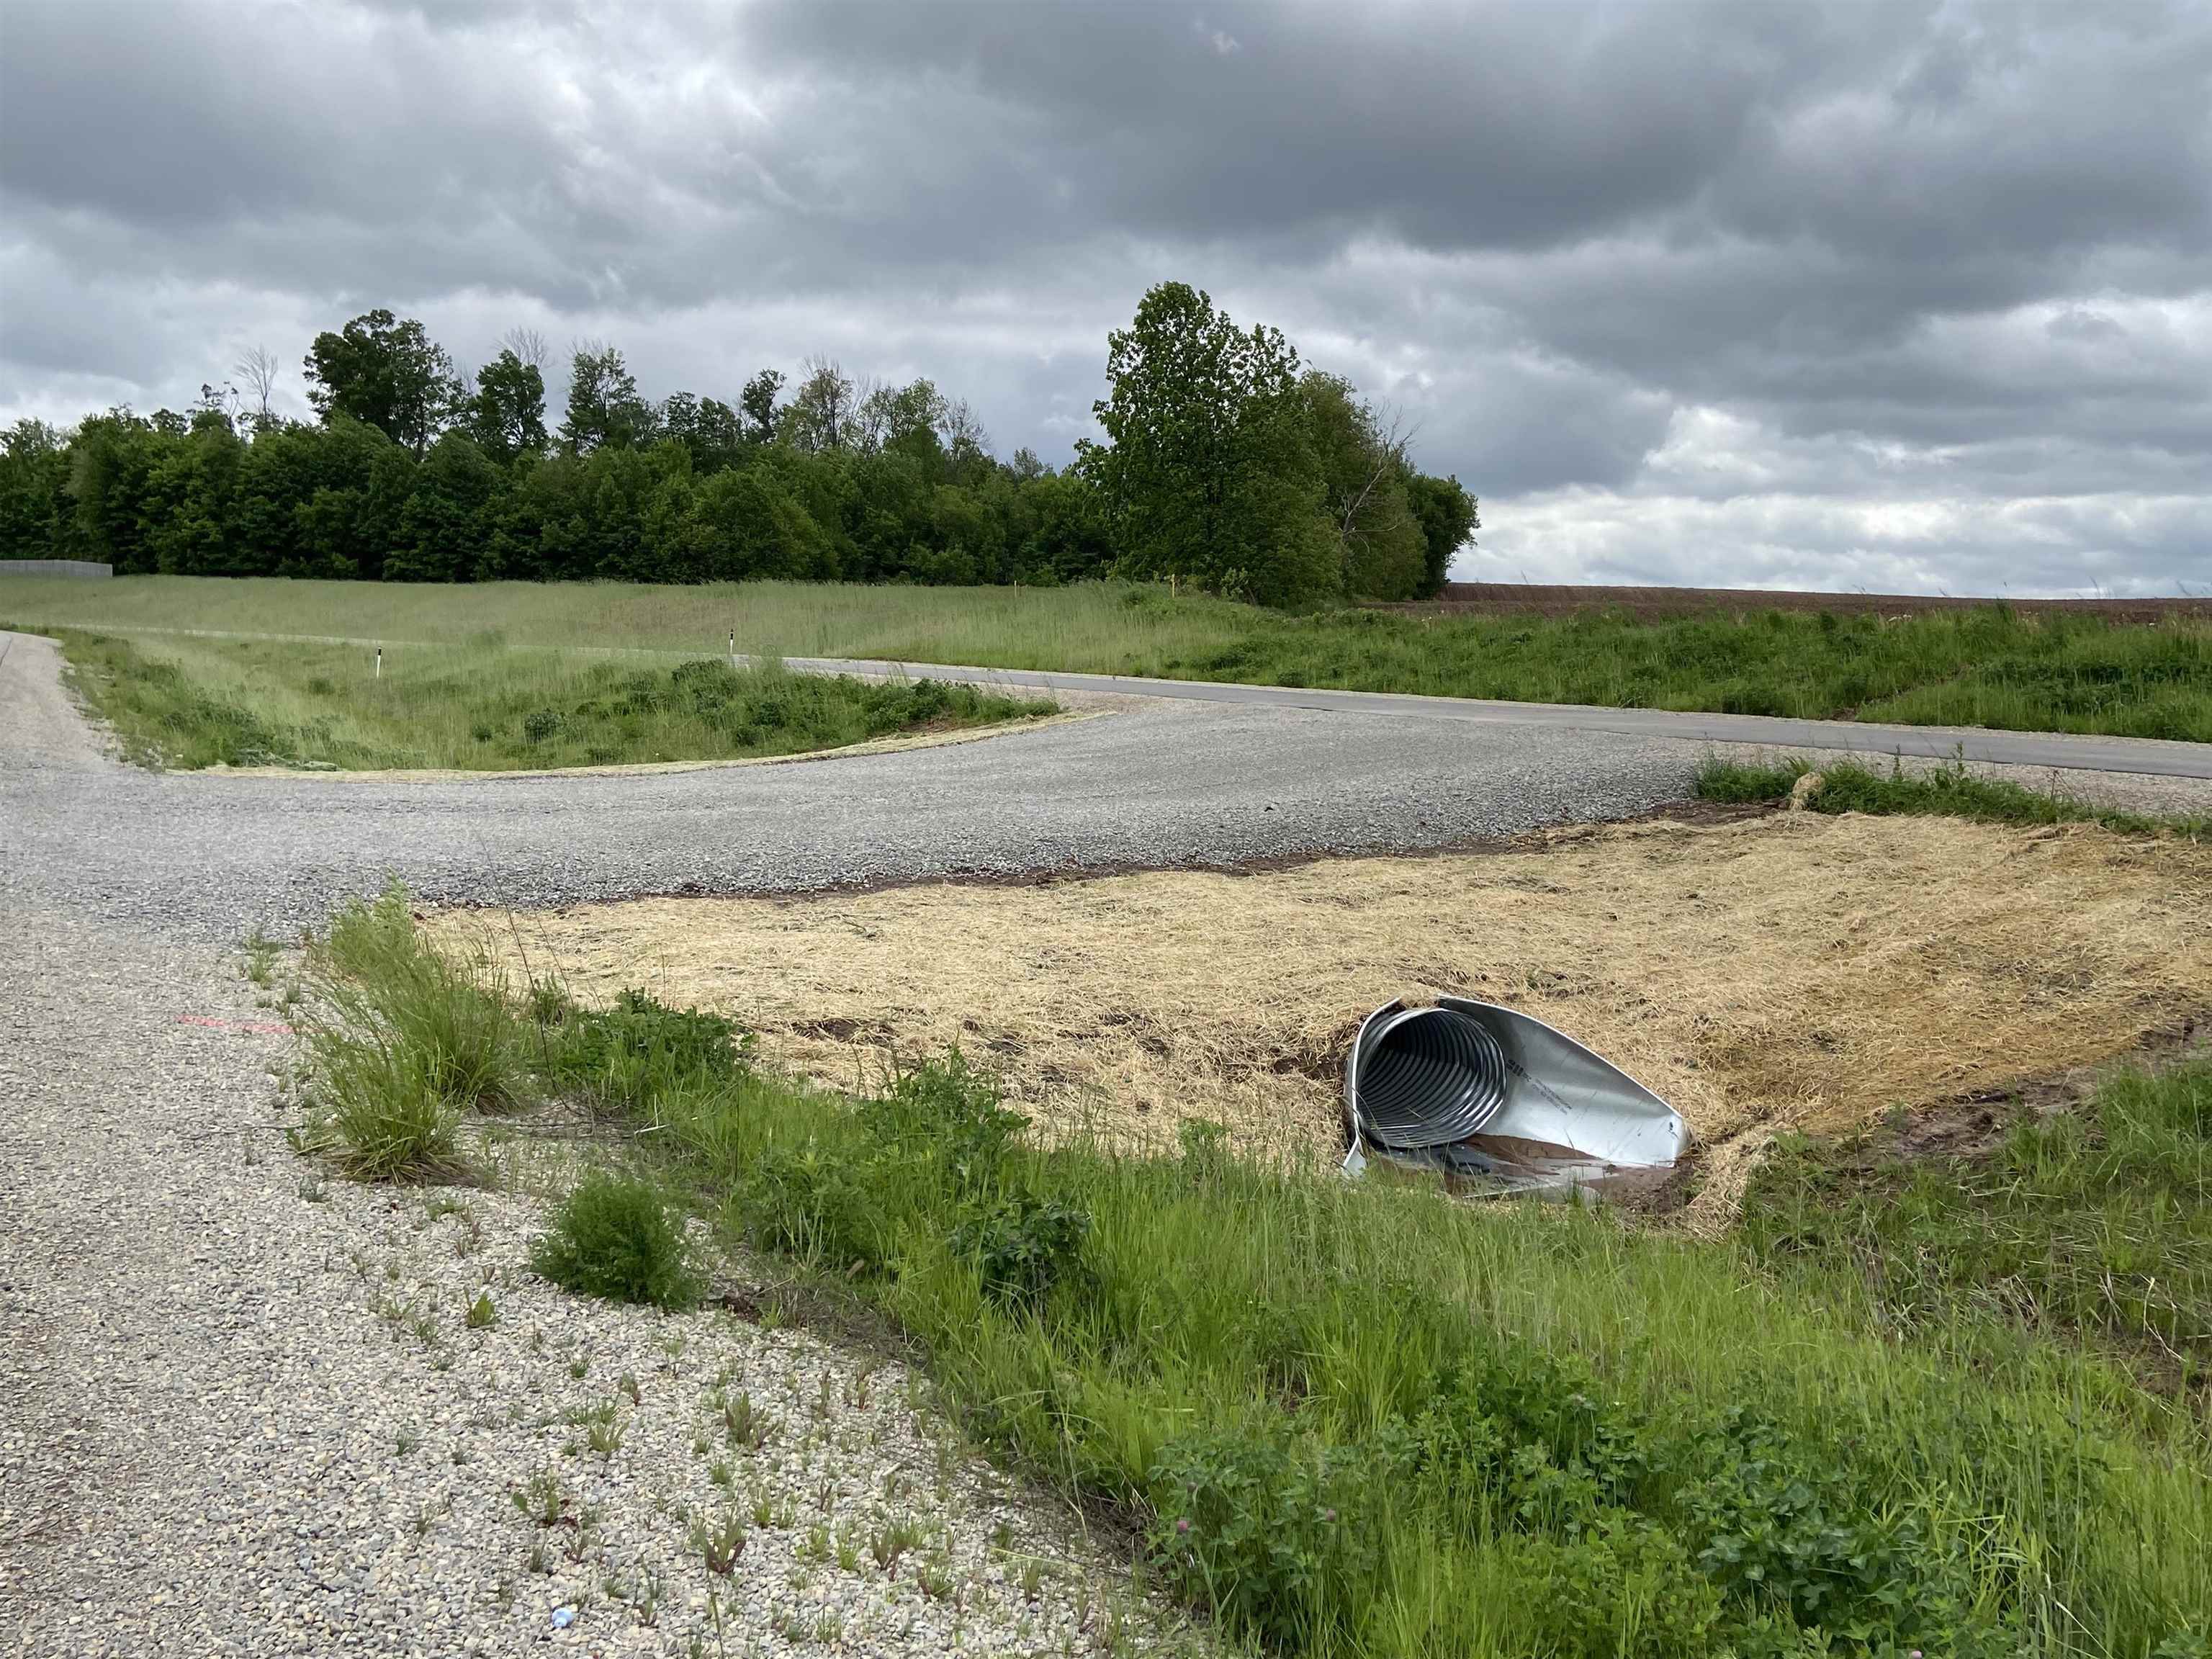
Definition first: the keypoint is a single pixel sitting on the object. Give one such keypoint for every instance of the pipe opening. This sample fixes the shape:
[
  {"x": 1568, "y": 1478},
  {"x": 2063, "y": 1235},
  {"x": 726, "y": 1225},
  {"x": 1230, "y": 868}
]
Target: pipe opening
[{"x": 1433, "y": 1077}]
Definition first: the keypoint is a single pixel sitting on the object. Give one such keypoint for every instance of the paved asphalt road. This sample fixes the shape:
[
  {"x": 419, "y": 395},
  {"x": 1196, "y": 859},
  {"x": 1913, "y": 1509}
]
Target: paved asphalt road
[
  {"x": 1972, "y": 742},
  {"x": 1197, "y": 774}
]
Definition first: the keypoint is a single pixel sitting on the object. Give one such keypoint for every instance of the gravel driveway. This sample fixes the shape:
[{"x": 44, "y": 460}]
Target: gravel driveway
[{"x": 1161, "y": 783}]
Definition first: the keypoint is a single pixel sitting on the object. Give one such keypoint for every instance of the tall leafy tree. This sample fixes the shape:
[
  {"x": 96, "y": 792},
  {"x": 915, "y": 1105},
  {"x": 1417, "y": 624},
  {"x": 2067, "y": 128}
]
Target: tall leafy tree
[
  {"x": 1448, "y": 515},
  {"x": 711, "y": 432},
  {"x": 1209, "y": 474},
  {"x": 758, "y": 401},
  {"x": 605, "y": 410},
  {"x": 822, "y": 412},
  {"x": 33, "y": 475},
  {"x": 385, "y": 372},
  {"x": 506, "y": 417},
  {"x": 1364, "y": 476}
]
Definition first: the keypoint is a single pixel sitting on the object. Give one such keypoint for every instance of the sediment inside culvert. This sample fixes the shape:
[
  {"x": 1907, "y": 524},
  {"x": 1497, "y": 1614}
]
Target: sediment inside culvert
[{"x": 1798, "y": 970}]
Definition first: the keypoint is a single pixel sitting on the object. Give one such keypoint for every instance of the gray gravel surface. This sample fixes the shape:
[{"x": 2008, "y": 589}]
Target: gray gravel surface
[
  {"x": 246, "y": 1412},
  {"x": 1164, "y": 783}
]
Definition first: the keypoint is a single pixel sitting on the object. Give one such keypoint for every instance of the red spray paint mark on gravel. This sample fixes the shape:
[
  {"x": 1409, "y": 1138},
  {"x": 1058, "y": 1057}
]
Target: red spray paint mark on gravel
[{"x": 216, "y": 1023}]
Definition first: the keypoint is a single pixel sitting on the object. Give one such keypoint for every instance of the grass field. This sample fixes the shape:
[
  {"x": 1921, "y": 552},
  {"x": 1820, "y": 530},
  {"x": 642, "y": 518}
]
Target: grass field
[
  {"x": 1984, "y": 667},
  {"x": 183, "y": 702},
  {"x": 1353, "y": 1418}
]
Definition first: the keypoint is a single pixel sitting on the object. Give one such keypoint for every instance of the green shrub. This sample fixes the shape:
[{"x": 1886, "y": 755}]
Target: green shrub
[
  {"x": 948, "y": 1118},
  {"x": 621, "y": 1056},
  {"x": 1276, "y": 1540},
  {"x": 818, "y": 1202},
  {"x": 616, "y": 1236},
  {"x": 1025, "y": 1247}
]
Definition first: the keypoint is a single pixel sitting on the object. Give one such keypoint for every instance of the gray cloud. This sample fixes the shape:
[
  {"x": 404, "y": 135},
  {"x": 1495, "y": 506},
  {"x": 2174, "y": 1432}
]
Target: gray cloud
[{"x": 1868, "y": 294}]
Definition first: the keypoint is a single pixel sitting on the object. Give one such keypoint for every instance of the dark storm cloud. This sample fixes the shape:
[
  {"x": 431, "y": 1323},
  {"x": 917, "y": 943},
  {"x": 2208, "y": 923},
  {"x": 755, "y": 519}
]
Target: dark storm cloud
[{"x": 1797, "y": 293}]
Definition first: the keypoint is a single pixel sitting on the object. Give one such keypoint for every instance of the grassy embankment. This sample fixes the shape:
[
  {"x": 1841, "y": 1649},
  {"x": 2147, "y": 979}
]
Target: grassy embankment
[
  {"x": 1354, "y": 1419},
  {"x": 1985, "y": 667},
  {"x": 183, "y": 702},
  {"x": 1946, "y": 791}
]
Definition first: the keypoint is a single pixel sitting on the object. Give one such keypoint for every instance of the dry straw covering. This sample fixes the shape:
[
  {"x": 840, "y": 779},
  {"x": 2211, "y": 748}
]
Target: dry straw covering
[{"x": 1789, "y": 970}]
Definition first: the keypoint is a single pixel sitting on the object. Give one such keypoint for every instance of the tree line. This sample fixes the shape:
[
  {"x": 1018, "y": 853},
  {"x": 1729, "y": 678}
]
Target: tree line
[{"x": 1227, "y": 465}]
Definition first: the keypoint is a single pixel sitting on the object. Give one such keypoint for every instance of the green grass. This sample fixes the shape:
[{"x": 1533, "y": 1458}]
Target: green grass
[
  {"x": 1985, "y": 667},
  {"x": 2096, "y": 1219},
  {"x": 401, "y": 1042},
  {"x": 1358, "y": 1419},
  {"x": 616, "y": 1236},
  {"x": 1946, "y": 791},
  {"x": 181, "y": 701}
]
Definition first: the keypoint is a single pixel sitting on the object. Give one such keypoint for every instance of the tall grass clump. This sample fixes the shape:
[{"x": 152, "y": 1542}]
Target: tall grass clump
[
  {"x": 617, "y": 1236},
  {"x": 2095, "y": 1219},
  {"x": 402, "y": 1039}
]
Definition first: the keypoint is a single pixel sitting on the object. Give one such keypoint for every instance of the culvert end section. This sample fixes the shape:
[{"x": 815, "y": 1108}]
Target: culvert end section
[{"x": 1427, "y": 1077}]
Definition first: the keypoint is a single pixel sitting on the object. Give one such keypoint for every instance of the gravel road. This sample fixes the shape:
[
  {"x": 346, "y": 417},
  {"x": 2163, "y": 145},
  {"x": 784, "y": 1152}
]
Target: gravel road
[{"x": 1164, "y": 783}]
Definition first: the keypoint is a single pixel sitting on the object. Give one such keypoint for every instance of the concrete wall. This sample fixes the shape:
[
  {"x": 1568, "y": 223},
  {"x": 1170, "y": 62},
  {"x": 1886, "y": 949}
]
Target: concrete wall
[{"x": 55, "y": 568}]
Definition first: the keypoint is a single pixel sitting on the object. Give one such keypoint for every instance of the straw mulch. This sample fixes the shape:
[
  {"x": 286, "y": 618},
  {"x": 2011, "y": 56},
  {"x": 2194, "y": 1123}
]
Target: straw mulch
[{"x": 1792, "y": 970}]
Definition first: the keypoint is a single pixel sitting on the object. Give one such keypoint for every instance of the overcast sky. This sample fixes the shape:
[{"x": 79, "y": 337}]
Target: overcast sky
[{"x": 1909, "y": 297}]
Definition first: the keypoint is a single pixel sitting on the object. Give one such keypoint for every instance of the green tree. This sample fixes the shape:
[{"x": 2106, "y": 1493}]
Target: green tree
[
  {"x": 445, "y": 526},
  {"x": 1209, "y": 474},
  {"x": 189, "y": 511},
  {"x": 109, "y": 461},
  {"x": 506, "y": 417},
  {"x": 711, "y": 432},
  {"x": 34, "y": 492},
  {"x": 1379, "y": 542},
  {"x": 1447, "y": 516},
  {"x": 820, "y": 416},
  {"x": 758, "y": 403},
  {"x": 605, "y": 410},
  {"x": 385, "y": 372}
]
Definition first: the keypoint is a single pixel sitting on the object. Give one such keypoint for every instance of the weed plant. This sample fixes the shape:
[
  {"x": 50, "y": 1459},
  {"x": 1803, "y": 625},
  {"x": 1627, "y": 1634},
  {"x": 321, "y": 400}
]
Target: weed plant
[
  {"x": 617, "y": 1236},
  {"x": 402, "y": 1040},
  {"x": 1947, "y": 791},
  {"x": 1359, "y": 1419},
  {"x": 1993, "y": 665}
]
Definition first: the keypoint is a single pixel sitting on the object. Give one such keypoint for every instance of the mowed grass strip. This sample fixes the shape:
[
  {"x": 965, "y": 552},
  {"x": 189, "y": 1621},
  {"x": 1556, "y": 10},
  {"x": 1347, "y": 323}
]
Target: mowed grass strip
[
  {"x": 1355, "y": 1418},
  {"x": 185, "y": 702},
  {"x": 1989, "y": 666}
]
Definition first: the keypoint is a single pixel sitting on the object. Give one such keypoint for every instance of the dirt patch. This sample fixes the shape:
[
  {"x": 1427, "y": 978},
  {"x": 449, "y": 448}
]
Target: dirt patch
[
  {"x": 1792, "y": 970},
  {"x": 1560, "y": 599}
]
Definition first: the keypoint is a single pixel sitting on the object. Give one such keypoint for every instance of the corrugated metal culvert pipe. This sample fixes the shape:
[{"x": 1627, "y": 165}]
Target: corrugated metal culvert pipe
[{"x": 1492, "y": 1094}]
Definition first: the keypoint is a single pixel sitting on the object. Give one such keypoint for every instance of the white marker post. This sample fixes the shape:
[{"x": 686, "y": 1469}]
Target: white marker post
[
  {"x": 380, "y": 662},
  {"x": 734, "y": 648}
]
